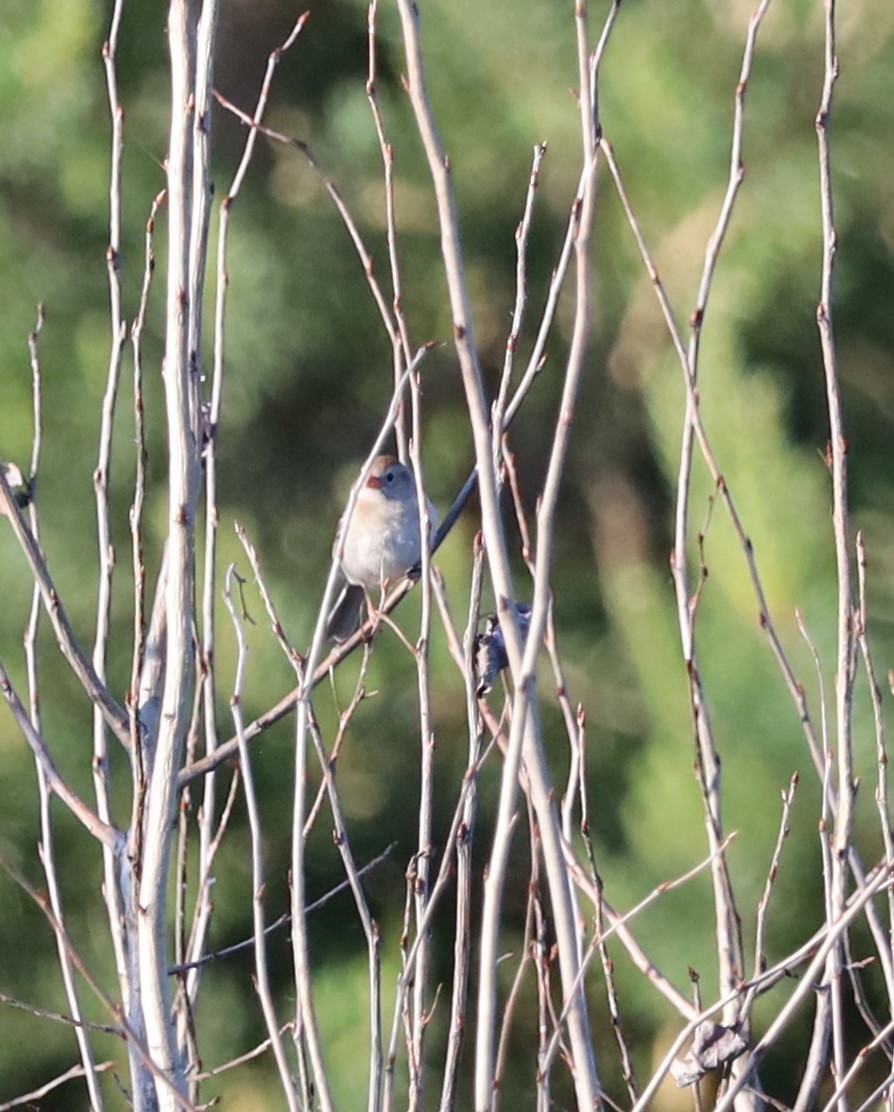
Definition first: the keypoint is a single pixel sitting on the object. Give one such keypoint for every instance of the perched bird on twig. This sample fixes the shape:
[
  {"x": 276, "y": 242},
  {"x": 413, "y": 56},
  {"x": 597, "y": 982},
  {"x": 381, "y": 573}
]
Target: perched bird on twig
[{"x": 382, "y": 544}]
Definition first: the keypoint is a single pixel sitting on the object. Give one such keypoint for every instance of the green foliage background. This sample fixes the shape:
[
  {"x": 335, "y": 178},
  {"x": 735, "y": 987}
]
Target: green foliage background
[{"x": 308, "y": 372}]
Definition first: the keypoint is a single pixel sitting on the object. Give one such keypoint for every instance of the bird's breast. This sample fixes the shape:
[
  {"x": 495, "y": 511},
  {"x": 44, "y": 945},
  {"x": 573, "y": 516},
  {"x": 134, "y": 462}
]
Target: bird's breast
[{"x": 382, "y": 542}]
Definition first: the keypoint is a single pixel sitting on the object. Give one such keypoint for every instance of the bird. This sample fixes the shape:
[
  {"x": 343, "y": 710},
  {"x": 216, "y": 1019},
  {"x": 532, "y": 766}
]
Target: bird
[
  {"x": 490, "y": 656},
  {"x": 383, "y": 541}
]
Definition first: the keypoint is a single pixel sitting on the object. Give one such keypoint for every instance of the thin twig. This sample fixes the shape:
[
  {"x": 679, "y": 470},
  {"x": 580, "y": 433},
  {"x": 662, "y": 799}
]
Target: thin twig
[
  {"x": 511, "y": 1003},
  {"x": 760, "y": 961},
  {"x": 845, "y": 657},
  {"x": 210, "y": 830},
  {"x": 46, "y": 847},
  {"x": 462, "y": 937},
  {"x": 522, "y": 234},
  {"x": 102, "y": 831},
  {"x": 331, "y": 188},
  {"x": 101, "y": 480},
  {"x": 283, "y": 920},
  {"x": 59, "y": 1017},
  {"x": 400, "y": 338},
  {"x": 881, "y": 791},
  {"x": 427, "y": 742},
  {"x": 262, "y": 982},
  {"x": 114, "y": 715},
  {"x": 728, "y": 930},
  {"x": 608, "y": 966},
  {"x": 69, "y": 1075},
  {"x": 240, "y": 1059}
]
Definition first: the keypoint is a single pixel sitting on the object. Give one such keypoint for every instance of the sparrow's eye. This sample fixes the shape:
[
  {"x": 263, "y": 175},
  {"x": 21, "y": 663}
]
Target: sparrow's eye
[{"x": 389, "y": 476}]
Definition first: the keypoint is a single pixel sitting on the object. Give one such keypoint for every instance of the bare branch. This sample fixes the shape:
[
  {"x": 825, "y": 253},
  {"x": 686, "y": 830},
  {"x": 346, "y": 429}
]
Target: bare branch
[
  {"x": 69, "y": 1075},
  {"x": 115, "y": 717}
]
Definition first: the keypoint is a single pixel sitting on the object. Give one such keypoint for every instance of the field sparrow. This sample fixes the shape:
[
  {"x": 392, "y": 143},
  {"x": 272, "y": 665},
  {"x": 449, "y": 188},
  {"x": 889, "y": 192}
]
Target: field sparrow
[{"x": 383, "y": 542}]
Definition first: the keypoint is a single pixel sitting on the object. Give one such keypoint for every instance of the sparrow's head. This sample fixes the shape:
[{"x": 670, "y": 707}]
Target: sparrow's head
[{"x": 392, "y": 478}]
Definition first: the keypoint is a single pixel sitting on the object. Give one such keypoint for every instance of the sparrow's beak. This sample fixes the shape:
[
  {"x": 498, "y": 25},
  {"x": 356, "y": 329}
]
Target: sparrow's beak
[{"x": 375, "y": 482}]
